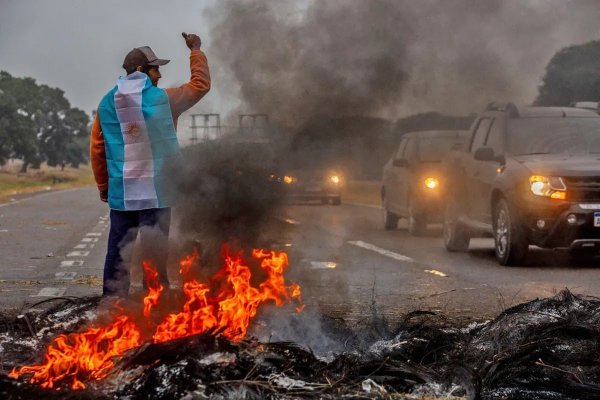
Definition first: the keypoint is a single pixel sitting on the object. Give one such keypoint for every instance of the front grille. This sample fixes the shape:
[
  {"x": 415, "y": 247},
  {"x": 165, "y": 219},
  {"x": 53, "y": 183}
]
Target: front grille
[{"x": 583, "y": 188}]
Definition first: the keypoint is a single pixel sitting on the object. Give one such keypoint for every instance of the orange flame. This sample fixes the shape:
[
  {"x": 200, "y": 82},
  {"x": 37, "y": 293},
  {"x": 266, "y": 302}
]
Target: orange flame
[
  {"x": 82, "y": 356},
  {"x": 235, "y": 305},
  {"x": 154, "y": 287},
  {"x": 228, "y": 303}
]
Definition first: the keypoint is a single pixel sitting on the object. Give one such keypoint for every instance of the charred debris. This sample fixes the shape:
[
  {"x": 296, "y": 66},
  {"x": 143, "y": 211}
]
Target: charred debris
[{"x": 544, "y": 349}]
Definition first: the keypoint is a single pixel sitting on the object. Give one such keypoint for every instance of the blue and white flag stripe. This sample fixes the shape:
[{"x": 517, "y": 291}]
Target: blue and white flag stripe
[
  {"x": 140, "y": 138},
  {"x": 138, "y": 167}
]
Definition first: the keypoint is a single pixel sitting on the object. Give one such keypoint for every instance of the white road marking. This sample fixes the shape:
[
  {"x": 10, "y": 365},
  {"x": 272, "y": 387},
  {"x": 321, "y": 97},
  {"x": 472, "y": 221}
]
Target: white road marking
[
  {"x": 323, "y": 265},
  {"x": 14, "y": 201},
  {"x": 82, "y": 246},
  {"x": 383, "y": 252},
  {"x": 65, "y": 276},
  {"x": 94, "y": 234},
  {"x": 289, "y": 221},
  {"x": 89, "y": 240},
  {"x": 51, "y": 292},
  {"x": 3, "y": 230},
  {"x": 71, "y": 263},
  {"x": 78, "y": 254},
  {"x": 435, "y": 272}
]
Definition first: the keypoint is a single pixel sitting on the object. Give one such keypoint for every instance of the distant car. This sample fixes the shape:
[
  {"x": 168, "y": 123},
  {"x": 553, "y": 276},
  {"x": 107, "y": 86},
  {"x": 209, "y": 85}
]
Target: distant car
[
  {"x": 313, "y": 184},
  {"x": 412, "y": 179},
  {"x": 588, "y": 105}
]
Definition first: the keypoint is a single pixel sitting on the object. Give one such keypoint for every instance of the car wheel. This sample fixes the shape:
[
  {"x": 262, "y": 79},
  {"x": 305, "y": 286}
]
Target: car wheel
[
  {"x": 336, "y": 201},
  {"x": 456, "y": 236},
  {"x": 390, "y": 220},
  {"x": 510, "y": 240},
  {"x": 417, "y": 224}
]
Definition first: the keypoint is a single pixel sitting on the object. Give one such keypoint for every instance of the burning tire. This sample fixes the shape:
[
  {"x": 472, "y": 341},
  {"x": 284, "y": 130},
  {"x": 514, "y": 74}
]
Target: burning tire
[
  {"x": 510, "y": 240},
  {"x": 456, "y": 236},
  {"x": 417, "y": 224}
]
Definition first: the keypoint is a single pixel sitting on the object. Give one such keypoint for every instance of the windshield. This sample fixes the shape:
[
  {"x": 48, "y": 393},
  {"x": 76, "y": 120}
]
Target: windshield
[
  {"x": 434, "y": 148},
  {"x": 553, "y": 136}
]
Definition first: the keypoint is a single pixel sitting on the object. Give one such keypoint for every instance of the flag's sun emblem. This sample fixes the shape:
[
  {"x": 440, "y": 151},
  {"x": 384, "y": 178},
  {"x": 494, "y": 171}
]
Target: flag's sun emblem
[{"x": 133, "y": 129}]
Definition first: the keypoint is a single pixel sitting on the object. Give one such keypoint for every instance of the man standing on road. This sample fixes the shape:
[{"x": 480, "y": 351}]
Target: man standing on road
[{"x": 132, "y": 139}]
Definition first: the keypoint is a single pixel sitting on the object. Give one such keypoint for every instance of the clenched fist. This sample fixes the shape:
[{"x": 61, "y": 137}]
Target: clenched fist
[{"x": 192, "y": 41}]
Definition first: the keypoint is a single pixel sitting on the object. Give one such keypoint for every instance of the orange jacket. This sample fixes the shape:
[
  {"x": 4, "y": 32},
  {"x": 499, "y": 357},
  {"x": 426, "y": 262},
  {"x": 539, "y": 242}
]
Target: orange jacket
[{"x": 181, "y": 99}]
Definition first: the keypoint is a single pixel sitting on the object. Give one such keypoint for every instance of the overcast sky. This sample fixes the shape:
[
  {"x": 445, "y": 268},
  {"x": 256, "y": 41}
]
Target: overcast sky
[{"x": 79, "y": 46}]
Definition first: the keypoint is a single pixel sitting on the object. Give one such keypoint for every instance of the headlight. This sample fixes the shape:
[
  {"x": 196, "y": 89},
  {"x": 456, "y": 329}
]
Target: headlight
[
  {"x": 335, "y": 179},
  {"x": 431, "y": 183},
  {"x": 548, "y": 186},
  {"x": 289, "y": 179}
]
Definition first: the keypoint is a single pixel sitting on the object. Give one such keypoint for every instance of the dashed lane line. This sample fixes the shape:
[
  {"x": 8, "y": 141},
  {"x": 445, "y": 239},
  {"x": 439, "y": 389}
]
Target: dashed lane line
[
  {"x": 435, "y": 272},
  {"x": 65, "y": 276},
  {"x": 84, "y": 246},
  {"x": 323, "y": 265},
  {"x": 50, "y": 292},
  {"x": 383, "y": 252},
  {"x": 78, "y": 253},
  {"x": 71, "y": 263}
]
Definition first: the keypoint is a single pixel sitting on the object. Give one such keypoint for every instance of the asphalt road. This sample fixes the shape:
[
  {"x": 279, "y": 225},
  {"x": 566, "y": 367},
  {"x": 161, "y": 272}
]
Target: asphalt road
[{"x": 53, "y": 244}]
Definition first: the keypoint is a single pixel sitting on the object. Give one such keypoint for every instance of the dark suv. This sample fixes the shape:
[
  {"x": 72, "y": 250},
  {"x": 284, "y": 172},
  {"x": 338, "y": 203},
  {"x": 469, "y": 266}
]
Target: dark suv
[{"x": 529, "y": 175}]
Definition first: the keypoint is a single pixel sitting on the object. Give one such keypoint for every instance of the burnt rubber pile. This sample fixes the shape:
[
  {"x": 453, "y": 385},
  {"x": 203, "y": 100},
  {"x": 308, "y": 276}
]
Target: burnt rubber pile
[{"x": 544, "y": 349}]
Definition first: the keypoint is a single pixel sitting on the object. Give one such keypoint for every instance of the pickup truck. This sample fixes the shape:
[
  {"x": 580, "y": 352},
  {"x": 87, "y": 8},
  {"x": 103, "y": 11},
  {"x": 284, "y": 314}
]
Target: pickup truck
[{"x": 527, "y": 176}]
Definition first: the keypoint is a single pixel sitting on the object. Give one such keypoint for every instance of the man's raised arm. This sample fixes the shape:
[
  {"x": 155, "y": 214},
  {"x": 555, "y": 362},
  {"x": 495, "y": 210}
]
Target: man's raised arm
[{"x": 185, "y": 96}]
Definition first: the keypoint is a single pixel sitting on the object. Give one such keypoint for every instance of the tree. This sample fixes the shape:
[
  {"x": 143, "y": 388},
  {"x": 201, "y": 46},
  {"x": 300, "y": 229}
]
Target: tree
[
  {"x": 18, "y": 100},
  {"x": 573, "y": 74},
  {"x": 54, "y": 132}
]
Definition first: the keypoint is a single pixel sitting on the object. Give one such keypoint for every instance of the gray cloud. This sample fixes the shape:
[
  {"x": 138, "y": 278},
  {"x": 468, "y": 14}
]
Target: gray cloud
[{"x": 297, "y": 58}]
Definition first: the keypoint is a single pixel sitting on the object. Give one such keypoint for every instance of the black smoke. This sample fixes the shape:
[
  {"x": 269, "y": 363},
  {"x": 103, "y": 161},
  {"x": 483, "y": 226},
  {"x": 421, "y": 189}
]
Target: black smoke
[{"x": 389, "y": 58}]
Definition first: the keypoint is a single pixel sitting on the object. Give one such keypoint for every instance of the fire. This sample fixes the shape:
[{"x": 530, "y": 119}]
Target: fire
[
  {"x": 228, "y": 303},
  {"x": 83, "y": 356},
  {"x": 233, "y": 306},
  {"x": 153, "y": 285}
]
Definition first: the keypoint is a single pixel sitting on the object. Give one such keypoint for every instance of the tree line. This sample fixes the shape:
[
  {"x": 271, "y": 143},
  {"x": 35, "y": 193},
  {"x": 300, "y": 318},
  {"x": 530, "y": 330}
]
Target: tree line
[{"x": 37, "y": 124}]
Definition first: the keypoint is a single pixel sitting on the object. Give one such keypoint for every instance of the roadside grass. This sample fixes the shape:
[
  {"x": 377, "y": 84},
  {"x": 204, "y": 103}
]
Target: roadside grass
[
  {"x": 13, "y": 183},
  {"x": 364, "y": 192}
]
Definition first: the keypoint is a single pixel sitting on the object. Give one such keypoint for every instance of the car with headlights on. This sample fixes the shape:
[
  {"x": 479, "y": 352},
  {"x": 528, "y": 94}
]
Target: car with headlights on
[
  {"x": 310, "y": 184},
  {"x": 528, "y": 176},
  {"x": 413, "y": 178}
]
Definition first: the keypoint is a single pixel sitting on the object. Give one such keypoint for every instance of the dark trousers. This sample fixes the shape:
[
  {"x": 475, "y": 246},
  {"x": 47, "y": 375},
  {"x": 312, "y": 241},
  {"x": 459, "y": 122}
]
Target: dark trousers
[{"x": 153, "y": 227}]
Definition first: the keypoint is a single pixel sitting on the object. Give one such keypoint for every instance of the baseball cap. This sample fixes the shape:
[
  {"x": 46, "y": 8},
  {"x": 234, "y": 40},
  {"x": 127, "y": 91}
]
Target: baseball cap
[{"x": 142, "y": 56}]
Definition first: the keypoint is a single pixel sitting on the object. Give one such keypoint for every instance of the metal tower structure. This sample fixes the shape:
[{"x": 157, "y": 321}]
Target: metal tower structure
[
  {"x": 204, "y": 124},
  {"x": 251, "y": 123}
]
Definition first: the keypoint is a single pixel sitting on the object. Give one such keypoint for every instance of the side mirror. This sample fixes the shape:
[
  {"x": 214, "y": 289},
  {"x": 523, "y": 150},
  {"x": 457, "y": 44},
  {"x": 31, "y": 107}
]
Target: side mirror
[
  {"x": 400, "y": 162},
  {"x": 484, "y": 154}
]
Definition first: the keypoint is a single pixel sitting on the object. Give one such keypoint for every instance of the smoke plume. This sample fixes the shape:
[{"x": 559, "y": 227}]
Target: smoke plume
[{"x": 389, "y": 58}]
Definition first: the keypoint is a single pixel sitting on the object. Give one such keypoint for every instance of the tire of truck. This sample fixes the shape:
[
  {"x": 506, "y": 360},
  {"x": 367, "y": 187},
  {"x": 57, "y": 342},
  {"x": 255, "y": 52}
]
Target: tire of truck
[
  {"x": 510, "y": 240},
  {"x": 456, "y": 236},
  {"x": 417, "y": 224},
  {"x": 390, "y": 220}
]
